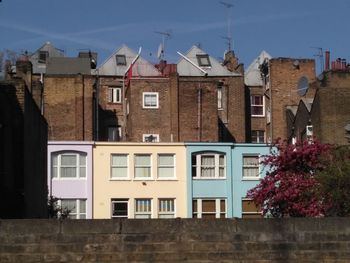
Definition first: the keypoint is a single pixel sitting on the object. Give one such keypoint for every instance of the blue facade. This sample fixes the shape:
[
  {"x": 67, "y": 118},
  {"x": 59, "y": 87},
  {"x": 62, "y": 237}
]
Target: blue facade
[{"x": 223, "y": 184}]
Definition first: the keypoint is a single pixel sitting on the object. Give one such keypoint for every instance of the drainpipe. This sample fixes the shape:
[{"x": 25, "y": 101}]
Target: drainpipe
[
  {"x": 124, "y": 90},
  {"x": 199, "y": 112}
]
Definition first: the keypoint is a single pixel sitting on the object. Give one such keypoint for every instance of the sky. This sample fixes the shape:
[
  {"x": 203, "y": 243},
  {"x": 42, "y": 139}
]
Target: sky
[{"x": 283, "y": 28}]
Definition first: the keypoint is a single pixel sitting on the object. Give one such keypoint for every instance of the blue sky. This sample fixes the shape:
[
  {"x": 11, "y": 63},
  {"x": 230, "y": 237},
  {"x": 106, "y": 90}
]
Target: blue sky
[{"x": 284, "y": 28}]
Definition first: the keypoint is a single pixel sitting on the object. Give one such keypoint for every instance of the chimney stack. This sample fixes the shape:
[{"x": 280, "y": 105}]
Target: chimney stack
[{"x": 327, "y": 58}]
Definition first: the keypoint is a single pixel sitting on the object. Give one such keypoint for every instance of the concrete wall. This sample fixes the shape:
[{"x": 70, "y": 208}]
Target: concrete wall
[{"x": 176, "y": 240}]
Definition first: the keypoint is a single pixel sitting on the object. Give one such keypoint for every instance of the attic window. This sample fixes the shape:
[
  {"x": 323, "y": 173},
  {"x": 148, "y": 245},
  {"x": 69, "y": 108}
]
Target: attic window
[
  {"x": 43, "y": 55},
  {"x": 203, "y": 60},
  {"x": 121, "y": 59}
]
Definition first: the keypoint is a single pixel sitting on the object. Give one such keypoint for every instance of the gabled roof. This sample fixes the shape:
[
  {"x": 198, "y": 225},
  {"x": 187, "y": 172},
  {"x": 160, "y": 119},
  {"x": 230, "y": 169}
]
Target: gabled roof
[
  {"x": 252, "y": 76},
  {"x": 141, "y": 68},
  {"x": 185, "y": 68},
  {"x": 307, "y": 102},
  {"x": 52, "y": 52},
  {"x": 292, "y": 109}
]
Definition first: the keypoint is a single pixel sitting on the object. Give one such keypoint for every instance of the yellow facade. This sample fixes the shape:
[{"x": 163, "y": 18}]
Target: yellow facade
[{"x": 117, "y": 184}]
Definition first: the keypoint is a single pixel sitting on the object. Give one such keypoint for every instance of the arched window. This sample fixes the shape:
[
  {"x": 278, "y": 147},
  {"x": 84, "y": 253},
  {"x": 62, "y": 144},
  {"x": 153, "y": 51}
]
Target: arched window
[
  {"x": 68, "y": 165},
  {"x": 209, "y": 165}
]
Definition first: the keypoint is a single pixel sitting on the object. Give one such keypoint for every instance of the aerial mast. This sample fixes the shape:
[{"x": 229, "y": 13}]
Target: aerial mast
[{"x": 228, "y": 6}]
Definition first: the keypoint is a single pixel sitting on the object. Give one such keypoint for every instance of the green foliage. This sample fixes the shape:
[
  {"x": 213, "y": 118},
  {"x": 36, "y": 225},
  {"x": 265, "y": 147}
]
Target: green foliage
[{"x": 334, "y": 182}]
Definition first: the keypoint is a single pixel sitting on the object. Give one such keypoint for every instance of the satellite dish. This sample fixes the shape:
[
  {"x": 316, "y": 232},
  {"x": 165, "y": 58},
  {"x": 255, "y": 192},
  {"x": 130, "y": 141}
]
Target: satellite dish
[{"x": 303, "y": 85}]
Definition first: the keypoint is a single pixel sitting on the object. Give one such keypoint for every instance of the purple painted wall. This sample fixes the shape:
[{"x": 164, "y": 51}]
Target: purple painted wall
[{"x": 71, "y": 188}]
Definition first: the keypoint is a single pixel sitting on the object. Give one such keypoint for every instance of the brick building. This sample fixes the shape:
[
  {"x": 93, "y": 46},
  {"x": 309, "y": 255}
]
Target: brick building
[
  {"x": 255, "y": 99},
  {"x": 286, "y": 81},
  {"x": 327, "y": 115},
  {"x": 23, "y": 147},
  {"x": 189, "y": 101}
]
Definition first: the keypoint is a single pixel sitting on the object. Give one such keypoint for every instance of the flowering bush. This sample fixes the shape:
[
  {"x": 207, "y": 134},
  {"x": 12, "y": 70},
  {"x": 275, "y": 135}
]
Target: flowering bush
[{"x": 291, "y": 187}]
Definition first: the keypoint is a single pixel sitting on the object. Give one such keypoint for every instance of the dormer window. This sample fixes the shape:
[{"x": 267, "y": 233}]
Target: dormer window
[
  {"x": 203, "y": 60},
  {"x": 121, "y": 60},
  {"x": 43, "y": 55}
]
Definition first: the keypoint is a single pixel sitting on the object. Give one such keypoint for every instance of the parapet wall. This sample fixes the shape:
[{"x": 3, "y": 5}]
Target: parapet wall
[{"x": 177, "y": 240}]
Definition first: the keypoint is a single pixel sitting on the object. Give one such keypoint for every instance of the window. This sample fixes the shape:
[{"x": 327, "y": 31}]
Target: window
[
  {"x": 69, "y": 165},
  {"x": 74, "y": 208},
  {"x": 166, "y": 166},
  {"x": 150, "y": 137},
  {"x": 143, "y": 166},
  {"x": 258, "y": 136},
  {"x": 267, "y": 82},
  {"x": 220, "y": 97},
  {"x": 203, "y": 60},
  {"x": 208, "y": 165},
  {"x": 268, "y": 116},
  {"x": 120, "y": 60},
  {"x": 251, "y": 167},
  {"x": 150, "y": 100},
  {"x": 257, "y": 105},
  {"x": 209, "y": 208},
  {"x": 143, "y": 208},
  {"x": 250, "y": 209},
  {"x": 43, "y": 55},
  {"x": 119, "y": 166},
  {"x": 120, "y": 208},
  {"x": 166, "y": 208},
  {"x": 114, "y": 95}
]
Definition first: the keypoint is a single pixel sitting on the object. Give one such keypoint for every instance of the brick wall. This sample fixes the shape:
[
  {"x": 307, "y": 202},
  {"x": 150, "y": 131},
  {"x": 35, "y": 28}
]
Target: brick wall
[
  {"x": 284, "y": 77},
  {"x": 68, "y": 106},
  {"x": 198, "y": 110},
  {"x": 23, "y": 144},
  {"x": 177, "y": 240},
  {"x": 149, "y": 121},
  {"x": 331, "y": 111}
]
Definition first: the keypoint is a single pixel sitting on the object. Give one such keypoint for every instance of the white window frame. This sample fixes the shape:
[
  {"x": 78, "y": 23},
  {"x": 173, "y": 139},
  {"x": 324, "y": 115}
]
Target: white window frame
[
  {"x": 114, "y": 95},
  {"x": 144, "y": 94},
  {"x": 118, "y": 62},
  {"x": 217, "y": 166},
  {"x": 258, "y": 141},
  {"x": 166, "y": 166},
  {"x": 120, "y": 201},
  {"x": 143, "y": 214},
  {"x": 249, "y": 213},
  {"x": 167, "y": 213},
  {"x": 78, "y": 214},
  {"x": 156, "y": 136},
  {"x": 143, "y": 166},
  {"x": 218, "y": 211},
  {"x": 77, "y": 166},
  {"x": 120, "y": 166},
  {"x": 220, "y": 99},
  {"x": 258, "y": 177},
  {"x": 257, "y": 105}
]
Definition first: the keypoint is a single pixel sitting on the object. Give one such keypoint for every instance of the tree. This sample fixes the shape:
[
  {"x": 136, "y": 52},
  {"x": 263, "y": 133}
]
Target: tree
[
  {"x": 290, "y": 188},
  {"x": 334, "y": 182}
]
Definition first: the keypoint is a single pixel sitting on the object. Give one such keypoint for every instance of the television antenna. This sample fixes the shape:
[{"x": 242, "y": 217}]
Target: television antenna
[
  {"x": 228, "y": 6},
  {"x": 165, "y": 36},
  {"x": 319, "y": 54}
]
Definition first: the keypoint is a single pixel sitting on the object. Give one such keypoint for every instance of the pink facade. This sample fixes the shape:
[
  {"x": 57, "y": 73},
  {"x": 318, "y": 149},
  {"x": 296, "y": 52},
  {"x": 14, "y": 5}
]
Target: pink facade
[{"x": 70, "y": 173}]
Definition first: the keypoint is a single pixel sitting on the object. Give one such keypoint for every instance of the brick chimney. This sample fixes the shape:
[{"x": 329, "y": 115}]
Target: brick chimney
[
  {"x": 24, "y": 69},
  {"x": 231, "y": 62}
]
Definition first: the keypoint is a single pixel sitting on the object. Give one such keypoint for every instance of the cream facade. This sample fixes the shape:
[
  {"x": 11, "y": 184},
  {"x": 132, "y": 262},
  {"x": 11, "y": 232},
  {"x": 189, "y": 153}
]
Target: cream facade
[{"x": 139, "y": 180}]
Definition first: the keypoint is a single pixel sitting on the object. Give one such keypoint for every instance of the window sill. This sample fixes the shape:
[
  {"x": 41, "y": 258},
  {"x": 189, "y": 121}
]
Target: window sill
[
  {"x": 251, "y": 179},
  {"x": 119, "y": 179},
  {"x": 143, "y": 179},
  {"x": 258, "y": 116},
  {"x": 150, "y": 108},
  {"x": 209, "y": 178},
  {"x": 69, "y": 179},
  {"x": 167, "y": 179}
]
